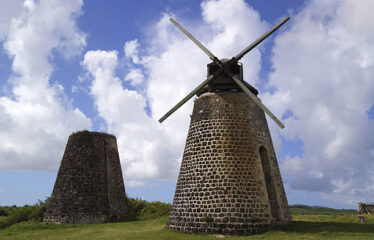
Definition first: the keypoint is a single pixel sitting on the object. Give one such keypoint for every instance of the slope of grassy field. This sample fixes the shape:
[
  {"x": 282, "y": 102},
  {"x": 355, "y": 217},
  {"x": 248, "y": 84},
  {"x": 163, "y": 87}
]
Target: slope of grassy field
[
  {"x": 299, "y": 209},
  {"x": 303, "y": 227}
]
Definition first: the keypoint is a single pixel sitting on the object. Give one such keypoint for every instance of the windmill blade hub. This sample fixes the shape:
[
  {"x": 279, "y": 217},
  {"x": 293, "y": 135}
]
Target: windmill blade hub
[{"x": 223, "y": 77}]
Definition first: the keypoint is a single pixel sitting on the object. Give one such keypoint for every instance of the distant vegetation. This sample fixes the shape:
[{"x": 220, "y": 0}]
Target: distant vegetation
[
  {"x": 299, "y": 209},
  {"x": 138, "y": 210},
  {"x": 14, "y": 214}
]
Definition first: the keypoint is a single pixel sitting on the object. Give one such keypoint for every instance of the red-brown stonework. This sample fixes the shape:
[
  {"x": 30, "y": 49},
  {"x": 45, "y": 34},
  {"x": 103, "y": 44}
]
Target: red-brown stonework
[
  {"x": 89, "y": 187},
  {"x": 229, "y": 181}
]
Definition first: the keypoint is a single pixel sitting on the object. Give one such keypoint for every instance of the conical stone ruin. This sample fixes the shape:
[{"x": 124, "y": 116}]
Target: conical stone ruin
[
  {"x": 229, "y": 180},
  {"x": 89, "y": 187}
]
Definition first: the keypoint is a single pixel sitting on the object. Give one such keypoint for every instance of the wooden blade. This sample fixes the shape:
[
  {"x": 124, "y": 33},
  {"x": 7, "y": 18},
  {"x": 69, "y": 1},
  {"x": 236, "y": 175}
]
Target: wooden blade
[
  {"x": 260, "y": 39},
  {"x": 258, "y": 102},
  {"x": 189, "y": 35},
  {"x": 190, "y": 95}
]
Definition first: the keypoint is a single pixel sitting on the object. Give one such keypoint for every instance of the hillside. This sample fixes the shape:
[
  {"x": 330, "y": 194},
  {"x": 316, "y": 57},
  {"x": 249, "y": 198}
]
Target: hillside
[{"x": 299, "y": 209}]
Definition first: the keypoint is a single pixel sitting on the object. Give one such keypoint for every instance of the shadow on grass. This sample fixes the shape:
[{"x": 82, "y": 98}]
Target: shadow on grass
[{"x": 316, "y": 227}]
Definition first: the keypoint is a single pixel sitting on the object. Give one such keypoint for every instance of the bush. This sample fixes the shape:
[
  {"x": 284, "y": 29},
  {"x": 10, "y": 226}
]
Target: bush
[
  {"x": 25, "y": 213},
  {"x": 135, "y": 205},
  {"x": 39, "y": 211},
  {"x": 3, "y": 212},
  {"x": 141, "y": 209},
  {"x": 155, "y": 210},
  {"x": 137, "y": 210}
]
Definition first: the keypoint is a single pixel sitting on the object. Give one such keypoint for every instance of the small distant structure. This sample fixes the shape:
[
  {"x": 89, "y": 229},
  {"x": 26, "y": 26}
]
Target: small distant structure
[
  {"x": 364, "y": 208},
  {"x": 89, "y": 187},
  {"x": 361, "y": 219}
]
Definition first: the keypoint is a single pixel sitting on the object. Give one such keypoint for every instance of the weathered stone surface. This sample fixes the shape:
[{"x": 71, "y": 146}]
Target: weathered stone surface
[
  {"x": 229, "y": 181},
  {"x": 89, "y": 187}
]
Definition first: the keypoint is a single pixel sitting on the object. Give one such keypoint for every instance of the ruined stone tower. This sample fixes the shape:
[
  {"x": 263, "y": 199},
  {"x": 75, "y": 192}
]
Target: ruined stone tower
[
  {"x": 229, "y": 181},
  {"x": 89, "y": 187}
]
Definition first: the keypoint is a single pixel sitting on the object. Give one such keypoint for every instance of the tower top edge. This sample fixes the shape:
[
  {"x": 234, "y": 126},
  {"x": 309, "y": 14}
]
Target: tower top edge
[
  {"x": 218, "y": 93},
  {"x": 89, "y": 133}
]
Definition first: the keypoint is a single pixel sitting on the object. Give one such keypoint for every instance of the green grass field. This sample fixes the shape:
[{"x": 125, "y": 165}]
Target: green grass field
[{"x": 303, "y": 227}]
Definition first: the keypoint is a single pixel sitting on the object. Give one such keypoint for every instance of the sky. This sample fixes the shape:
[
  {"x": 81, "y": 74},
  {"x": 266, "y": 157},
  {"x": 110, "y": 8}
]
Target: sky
[{"x": 118, "y": 66}]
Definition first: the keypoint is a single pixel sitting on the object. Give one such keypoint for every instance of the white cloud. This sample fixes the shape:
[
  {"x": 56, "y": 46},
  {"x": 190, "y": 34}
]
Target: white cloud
[
  {"x": 172, "y": 66},
  {"x": 144, "y": 147},
  {"x": 324, "y": 66},
  {"x": 37, "y": 117},
  {"x": 134, "y": 183},
  {"x": 135, "y": 76},
  {"x": 8, "y": 11},
  {"x": 291, "y": 166},
  {"x": 131, "y": 50}
]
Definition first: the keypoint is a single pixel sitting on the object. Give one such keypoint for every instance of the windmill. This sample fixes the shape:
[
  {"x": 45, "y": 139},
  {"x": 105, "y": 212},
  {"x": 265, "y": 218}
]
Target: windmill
[{"x": 229, "y": 181}]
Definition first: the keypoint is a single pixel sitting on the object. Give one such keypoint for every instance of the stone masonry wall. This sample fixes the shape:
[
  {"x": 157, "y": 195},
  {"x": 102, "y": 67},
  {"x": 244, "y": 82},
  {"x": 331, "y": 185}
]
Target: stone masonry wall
[
  {"x": 89, "y": 187},
  {"x": 221, "y": 186},
  {"x": 259, "y": 126}
]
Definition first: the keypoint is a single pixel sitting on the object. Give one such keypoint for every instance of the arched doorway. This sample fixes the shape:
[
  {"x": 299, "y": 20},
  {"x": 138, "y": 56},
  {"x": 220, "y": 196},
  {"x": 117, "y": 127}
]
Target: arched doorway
[{"x": 270, "y": 183}]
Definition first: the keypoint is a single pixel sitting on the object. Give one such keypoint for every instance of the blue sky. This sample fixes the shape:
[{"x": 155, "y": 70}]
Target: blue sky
[{"x": 117, "y": 66}]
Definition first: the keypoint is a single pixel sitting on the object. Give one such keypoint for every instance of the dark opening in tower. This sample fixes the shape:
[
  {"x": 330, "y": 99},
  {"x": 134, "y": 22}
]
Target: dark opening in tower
[{"x": 270, "y": 183}]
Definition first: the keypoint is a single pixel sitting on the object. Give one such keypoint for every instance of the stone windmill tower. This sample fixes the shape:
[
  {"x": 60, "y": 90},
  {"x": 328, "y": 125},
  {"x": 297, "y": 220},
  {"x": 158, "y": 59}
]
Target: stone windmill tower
[
  {"x": 89, "y": 187},
  {"x": 229, "y": 181}
]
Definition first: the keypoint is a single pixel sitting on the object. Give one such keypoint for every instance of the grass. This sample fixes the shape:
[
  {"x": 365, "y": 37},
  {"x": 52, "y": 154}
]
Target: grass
[{"x": 303, "y": 227}]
